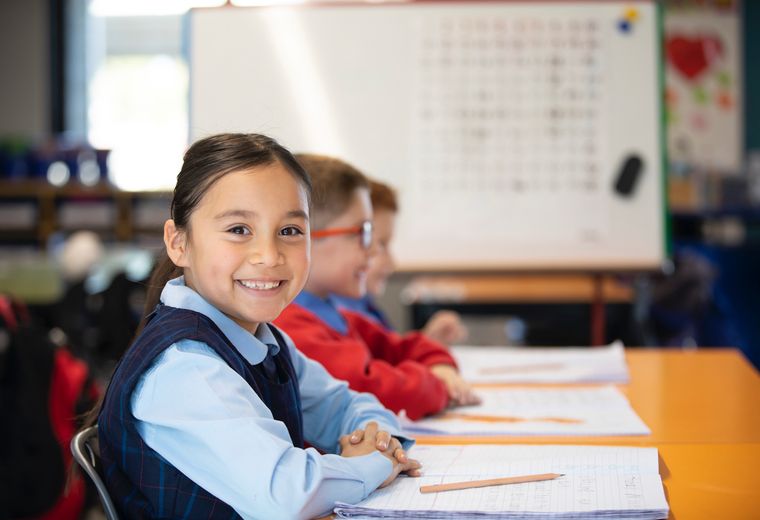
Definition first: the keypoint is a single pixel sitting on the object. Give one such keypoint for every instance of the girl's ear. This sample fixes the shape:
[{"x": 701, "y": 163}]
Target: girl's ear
[{"x": 175, "y": 241}]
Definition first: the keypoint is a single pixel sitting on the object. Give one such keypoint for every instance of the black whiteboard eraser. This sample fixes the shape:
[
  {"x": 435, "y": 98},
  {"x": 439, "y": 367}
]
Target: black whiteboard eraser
[{"x": 629, "y": 174}]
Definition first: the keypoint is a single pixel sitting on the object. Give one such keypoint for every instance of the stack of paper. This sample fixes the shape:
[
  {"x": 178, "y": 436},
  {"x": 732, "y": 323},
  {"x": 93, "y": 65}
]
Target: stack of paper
[
  {"x": 598, "y": 482},
  {"x": 538, "y": 411},
  {"x": 543, "y": 365}
]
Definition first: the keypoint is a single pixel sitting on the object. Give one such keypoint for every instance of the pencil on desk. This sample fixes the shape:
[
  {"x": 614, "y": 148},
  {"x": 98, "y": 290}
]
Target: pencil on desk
[
  {"x": 437, "y": 488},
  {"x": 520, "y": 368},
  {"x": 507, "y": 419}
]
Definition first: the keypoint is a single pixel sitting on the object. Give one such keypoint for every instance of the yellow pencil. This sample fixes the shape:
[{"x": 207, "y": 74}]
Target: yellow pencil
[
  {"x": 519, "y": 369},
  {"x": 506, "y": 419},
  {"x": 437, "y": 488}
]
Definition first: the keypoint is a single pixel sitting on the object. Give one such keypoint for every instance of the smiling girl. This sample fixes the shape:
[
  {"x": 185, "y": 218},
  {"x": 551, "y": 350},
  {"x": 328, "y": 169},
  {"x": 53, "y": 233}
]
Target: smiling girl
[{"x": 207, "y": 412}]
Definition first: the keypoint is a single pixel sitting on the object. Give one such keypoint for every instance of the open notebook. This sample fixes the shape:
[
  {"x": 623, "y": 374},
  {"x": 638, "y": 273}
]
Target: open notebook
[
  {"x": 543, "y": 364},
  {"x": 598, "y": 482},
  {"x": 537, "y": 411}
]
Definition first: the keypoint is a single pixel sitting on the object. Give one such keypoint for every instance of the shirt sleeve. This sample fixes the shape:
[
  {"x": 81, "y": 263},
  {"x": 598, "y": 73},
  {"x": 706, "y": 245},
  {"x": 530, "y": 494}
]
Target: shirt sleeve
[
  {"x": 324, "y": 396},
  {"x": 202, "y": 417}
]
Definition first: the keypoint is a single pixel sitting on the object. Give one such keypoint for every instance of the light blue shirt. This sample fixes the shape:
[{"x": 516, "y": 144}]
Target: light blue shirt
[
  {"x": 326, "y": 310},
  {"x": 201, "y": 416}
]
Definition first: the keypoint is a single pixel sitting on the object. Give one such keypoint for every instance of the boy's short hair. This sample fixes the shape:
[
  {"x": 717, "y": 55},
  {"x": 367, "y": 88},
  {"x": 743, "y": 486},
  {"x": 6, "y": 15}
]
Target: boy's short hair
[
  {"x": 333, "y": 184},
  {"x": 383, "y": 196}
]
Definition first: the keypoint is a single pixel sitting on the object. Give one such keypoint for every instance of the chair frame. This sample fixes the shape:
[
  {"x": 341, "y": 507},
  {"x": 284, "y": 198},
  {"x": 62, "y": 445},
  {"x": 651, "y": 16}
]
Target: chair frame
[{"x": 85, "y": 451}]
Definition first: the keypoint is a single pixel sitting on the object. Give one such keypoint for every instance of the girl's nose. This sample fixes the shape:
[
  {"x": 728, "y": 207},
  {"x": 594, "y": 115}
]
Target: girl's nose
[{"x": 267, "y": 252}]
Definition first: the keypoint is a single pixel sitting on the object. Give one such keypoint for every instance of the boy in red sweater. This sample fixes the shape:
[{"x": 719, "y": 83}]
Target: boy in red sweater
[{"x": 410, "y": 372}]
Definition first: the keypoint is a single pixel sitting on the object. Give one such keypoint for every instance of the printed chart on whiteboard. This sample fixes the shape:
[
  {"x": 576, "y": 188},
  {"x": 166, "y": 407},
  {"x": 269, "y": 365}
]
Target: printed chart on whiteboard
[{"x": 514, "y": 107}]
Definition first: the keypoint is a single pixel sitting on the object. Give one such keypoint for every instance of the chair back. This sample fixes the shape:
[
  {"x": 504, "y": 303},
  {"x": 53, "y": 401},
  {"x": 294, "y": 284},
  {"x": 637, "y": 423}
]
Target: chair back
[{"x": 84, "y": 447}]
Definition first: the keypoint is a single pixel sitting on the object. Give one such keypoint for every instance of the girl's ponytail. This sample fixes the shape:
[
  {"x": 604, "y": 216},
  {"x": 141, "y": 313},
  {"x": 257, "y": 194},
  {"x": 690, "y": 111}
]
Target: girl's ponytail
[{"x": 164, "y": 271}]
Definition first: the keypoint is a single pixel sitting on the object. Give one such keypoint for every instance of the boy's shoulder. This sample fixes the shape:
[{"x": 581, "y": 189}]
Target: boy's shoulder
[{"x": 294, "y": 312}]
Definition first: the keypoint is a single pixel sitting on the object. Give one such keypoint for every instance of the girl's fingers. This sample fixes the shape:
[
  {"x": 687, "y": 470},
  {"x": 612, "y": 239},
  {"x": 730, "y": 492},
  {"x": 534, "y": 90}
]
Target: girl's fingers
[
  {"x": 400, "y": 455},
  {"x": 412, "y": 465},
  {"x": 356, "y": 436},
  {"x": 370, "y": 430},
  {"x": 383, "y": 440}
]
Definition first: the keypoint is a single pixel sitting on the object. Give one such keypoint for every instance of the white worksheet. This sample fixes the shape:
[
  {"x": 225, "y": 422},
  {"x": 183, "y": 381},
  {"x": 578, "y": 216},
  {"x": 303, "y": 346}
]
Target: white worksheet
[
  {"x": 537, "y": 411},
  {"x": 495, "y": 364}
]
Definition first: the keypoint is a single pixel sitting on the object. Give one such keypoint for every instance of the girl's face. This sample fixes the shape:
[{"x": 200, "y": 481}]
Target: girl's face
[
  {"x": 246, "y": 249},
  {"x": 340, "y": 262},
  {"x": 381, "y": 264}
]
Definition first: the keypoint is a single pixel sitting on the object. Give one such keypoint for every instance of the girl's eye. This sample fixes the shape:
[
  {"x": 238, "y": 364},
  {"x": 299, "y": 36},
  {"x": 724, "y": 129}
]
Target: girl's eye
[
  {"x": 291, "y": 231},
  {"x": 239, "y": 230}
]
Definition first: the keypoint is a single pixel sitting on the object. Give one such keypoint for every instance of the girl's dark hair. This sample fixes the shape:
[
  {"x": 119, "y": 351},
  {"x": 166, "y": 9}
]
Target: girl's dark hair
[{"x": 205, "y": 162}]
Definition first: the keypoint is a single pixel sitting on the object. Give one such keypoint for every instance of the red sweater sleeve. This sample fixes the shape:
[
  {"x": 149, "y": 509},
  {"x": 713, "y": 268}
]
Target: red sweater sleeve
[
  {"x": 398, "y": 384},
  {"x": 395, "y": 348}
]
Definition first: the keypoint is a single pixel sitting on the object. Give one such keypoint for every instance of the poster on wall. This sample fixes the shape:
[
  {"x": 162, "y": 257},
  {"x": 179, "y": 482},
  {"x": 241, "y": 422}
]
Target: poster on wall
[{"x": 703, "y": 97}]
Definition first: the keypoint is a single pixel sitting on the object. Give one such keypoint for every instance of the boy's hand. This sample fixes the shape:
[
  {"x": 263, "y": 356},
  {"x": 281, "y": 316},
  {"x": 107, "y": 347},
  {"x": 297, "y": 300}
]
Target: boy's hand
[
  {"x": 445, "y": 327},
  {"x": 460, "y": 393},
  {"x": 362, "y": 442}
]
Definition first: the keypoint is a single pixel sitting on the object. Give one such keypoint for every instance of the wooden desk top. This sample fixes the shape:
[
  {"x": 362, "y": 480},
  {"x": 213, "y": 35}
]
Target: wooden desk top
[
  {"x": 697, "y": 396},
  {"x": 700, "y": 396},
  {"x": 711, "y": 480},
  {"x": 549, "y": 288}
]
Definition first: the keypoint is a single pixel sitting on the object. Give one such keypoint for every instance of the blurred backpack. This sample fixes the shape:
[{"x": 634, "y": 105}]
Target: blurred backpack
[{"x": 43, "y": 389}]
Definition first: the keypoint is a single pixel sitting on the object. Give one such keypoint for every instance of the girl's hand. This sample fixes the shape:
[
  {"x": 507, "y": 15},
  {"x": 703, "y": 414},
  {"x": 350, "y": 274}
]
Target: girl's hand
[
  {"x": 460, "y": 392},
  {"x": 388, "y": 445},
  {"x": 382, "y": 438},
  {"x": 410, "y": 466},
  {"x": 445, "y": 327},
  {"x": 362, "y": 442}
]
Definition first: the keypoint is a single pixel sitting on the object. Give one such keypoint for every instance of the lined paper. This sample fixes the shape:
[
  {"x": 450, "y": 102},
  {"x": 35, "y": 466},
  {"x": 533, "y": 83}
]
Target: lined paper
[
  {"x": 599, "y": 481},
  {"x": 538, "y": 411}
]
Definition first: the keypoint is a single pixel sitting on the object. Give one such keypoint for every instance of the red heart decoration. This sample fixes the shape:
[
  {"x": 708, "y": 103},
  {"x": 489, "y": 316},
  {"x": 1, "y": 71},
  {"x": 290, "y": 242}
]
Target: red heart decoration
[{"x": 692, "y": 56}]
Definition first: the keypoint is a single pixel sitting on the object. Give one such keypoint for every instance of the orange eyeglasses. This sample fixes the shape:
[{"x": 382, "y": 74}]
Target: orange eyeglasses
[{"x": 364, "y": 231}]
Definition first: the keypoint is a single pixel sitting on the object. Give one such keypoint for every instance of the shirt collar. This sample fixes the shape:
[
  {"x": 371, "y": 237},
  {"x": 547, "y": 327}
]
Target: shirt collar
[
  {"x": 326, "y": 309},
  {"x": 253, "y": 347}
]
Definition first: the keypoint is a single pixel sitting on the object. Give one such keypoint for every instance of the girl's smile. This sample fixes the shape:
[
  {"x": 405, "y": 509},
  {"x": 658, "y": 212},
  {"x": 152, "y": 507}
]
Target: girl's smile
[{"x": 262, "y": 285}]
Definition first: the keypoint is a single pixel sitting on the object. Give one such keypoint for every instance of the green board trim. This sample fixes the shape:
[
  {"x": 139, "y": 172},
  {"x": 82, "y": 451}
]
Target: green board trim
[{"x": 667, "y": 235}]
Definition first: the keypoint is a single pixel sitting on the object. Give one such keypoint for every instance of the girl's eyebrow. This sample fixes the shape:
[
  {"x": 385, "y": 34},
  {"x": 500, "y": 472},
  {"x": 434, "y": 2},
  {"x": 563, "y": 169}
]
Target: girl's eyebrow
[
  {"x": 242, "y": 213},
  {"x": 298, "y": 213},
  {"x": 246, "y": 214}
]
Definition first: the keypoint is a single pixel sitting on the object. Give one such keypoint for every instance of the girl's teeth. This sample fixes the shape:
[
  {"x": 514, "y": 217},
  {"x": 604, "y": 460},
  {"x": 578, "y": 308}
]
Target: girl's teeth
[{"x": 261, "y": 286}]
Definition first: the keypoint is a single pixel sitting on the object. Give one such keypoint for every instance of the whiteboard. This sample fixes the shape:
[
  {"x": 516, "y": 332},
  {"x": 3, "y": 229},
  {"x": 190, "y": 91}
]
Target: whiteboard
[{"x": 504, "y": 125}]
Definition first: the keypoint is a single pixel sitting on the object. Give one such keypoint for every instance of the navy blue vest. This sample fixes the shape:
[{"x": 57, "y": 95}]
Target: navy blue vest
[{"x": 141, "y": 482}]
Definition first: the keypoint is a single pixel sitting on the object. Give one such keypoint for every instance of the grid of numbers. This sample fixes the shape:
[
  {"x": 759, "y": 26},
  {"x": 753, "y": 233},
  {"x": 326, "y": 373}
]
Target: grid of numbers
[{"x": 507, "y": 104}]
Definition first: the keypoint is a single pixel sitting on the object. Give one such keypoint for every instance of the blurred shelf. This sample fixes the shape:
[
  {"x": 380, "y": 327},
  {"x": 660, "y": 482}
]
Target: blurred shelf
[{"x": 32, "y": 211}]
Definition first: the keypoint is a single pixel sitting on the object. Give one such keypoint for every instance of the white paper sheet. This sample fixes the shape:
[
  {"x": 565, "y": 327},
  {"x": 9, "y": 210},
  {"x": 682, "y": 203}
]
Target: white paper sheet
[
  {"x": 537, "y": 411},
  {"x": 543, "y": 365},
  {"x": 598, "y": 481}
]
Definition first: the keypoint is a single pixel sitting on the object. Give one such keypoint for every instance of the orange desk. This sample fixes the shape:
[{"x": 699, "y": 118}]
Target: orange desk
[
  {"x": 703, "y": 408},
  {"x": 711, "y": 481}
]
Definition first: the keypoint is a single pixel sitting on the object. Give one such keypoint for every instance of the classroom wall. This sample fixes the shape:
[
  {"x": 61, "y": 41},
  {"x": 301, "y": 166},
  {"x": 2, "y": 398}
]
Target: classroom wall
[{"x": 24, "y": 68}]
